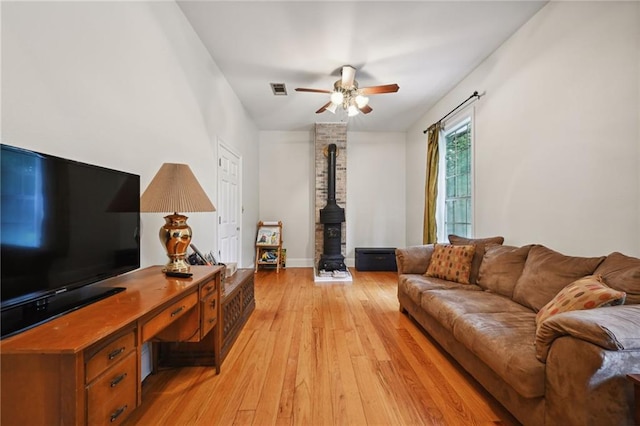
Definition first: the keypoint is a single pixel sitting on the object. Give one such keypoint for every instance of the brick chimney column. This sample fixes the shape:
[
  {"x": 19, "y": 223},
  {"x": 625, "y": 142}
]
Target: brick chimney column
[{"x": 325, "y": 134}]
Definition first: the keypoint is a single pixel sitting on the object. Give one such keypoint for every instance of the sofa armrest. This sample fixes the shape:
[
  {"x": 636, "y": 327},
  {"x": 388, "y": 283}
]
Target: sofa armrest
[
  {"x": 586, "y": 385},
  {"x": 414, "y": 259},
  {"x": 614, "y": 328}
]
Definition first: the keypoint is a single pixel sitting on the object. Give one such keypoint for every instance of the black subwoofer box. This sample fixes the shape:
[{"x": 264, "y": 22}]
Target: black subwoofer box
[{"x": 376, "y": 259}]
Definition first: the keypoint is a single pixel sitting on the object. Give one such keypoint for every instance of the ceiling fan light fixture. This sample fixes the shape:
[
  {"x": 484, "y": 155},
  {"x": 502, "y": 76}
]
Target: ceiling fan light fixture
[
  {"x": 362, "y": 101},
  {"x": 337, "y": 97},
  {"x": 347, "y": 94}
]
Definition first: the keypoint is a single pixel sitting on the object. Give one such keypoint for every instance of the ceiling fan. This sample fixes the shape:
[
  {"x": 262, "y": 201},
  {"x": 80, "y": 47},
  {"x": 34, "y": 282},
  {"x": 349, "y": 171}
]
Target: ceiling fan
[{"x": 347, "y": 93}]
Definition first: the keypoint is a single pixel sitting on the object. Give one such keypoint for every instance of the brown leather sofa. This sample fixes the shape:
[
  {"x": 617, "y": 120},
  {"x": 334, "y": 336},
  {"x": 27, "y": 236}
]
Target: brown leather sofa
[{"x": 573, "y": 370}]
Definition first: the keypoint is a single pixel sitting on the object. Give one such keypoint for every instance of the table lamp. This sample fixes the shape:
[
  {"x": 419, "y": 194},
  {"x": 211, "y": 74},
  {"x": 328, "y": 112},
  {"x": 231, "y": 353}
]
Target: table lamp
[{"x": 175, "y": 189}]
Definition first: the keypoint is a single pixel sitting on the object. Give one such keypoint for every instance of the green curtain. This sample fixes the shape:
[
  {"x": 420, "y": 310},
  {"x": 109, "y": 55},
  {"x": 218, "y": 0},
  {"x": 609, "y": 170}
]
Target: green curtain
[{"x": 429, "y": 235}]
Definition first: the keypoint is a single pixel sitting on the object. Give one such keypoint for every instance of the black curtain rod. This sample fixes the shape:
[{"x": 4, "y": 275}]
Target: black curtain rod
[{"x": 474, "y": 95}]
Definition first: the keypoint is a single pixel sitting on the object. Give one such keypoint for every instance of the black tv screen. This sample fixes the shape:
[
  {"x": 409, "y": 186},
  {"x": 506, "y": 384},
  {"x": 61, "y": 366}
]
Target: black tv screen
[{"x": 64, "y": 225}]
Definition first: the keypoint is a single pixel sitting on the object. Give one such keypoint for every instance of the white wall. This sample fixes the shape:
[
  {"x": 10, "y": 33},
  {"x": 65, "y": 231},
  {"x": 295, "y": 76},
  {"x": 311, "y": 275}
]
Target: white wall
[
  {"x": 375, "y": 190},
  {"x": 375, "y": 211},
  {"x": 287, "y": 190},
  {"x": 557, "y": 136},
  {"x": 125, "y": 85}
]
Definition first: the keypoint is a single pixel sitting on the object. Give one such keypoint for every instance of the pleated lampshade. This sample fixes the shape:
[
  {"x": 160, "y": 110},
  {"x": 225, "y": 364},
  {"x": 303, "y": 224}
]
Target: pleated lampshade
[{"x": 175, "y": 189}]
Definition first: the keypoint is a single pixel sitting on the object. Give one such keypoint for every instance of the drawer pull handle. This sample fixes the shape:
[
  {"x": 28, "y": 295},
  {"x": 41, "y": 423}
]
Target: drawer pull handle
[
  {"x": 177, "y": 311},
  {"x": 118, "y": 379},
  {"x": 117, "y": 413},
  {"x": 115, "y": 353},
  {"x": 213, "y": 304},
  {"x": 209, "y": 288},
  {"x": 212, "y": 320}
]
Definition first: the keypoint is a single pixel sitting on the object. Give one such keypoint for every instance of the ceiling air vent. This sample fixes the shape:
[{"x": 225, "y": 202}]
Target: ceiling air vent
[{"x": 279, "y": 89}]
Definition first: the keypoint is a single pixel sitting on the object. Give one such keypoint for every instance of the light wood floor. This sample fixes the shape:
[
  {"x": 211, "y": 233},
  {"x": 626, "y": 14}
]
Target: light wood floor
[{"x": 323, "y": 354}]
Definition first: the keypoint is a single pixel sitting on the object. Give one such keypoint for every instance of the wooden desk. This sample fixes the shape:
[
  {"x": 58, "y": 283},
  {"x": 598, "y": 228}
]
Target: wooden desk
[
  {"x": 84, "y": 367},
  {"x": 635, "y": 379},
  {"x": 237, "y": 304}
]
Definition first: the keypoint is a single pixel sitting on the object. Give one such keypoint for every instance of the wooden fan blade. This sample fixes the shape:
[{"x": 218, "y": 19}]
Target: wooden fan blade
[
  {"x": 366, "y": 109},
  {"x": 348, "y": 75},
  {"x": 302, "y": 89},
  {"x": 323, "y": 108},
  {"x": 375, "y": 90}
]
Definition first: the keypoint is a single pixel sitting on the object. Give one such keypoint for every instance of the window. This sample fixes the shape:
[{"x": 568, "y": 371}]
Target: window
[{"x": 456, "y": 184}]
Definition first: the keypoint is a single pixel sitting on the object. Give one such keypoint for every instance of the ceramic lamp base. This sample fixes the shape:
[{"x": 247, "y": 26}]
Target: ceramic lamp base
[{"x": 175, "y": 236}]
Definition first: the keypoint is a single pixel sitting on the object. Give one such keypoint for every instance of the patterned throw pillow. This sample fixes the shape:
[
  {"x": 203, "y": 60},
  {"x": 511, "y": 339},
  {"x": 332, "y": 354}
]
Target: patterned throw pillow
[
  {"x": 586, "y": 293},
  {"x": 452, "y": 263},
  {"x": 481, "y": 244}
]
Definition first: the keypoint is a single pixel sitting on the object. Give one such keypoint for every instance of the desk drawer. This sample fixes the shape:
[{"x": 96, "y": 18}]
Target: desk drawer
[
  {"x": 112, "y": 397},
  {"x": 209, "y": 307},
  {"x": 168, "y": 315},
  {"x": 109, "y": 355},
  {"x": 207, "y": 288}
]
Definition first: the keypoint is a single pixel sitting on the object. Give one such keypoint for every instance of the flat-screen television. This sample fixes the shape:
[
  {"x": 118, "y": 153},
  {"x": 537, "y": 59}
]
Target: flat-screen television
[{"x": 63, "y": 226}]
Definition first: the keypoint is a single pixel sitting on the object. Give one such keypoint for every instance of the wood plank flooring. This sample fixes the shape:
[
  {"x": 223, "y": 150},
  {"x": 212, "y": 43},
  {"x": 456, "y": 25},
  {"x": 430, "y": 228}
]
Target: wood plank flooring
[{"x": 323, "y": 354}]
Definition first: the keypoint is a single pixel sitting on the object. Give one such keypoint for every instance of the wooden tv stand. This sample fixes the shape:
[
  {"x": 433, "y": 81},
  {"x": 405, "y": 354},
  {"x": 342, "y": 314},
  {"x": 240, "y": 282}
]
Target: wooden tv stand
[{"x": 84, "y": 367}]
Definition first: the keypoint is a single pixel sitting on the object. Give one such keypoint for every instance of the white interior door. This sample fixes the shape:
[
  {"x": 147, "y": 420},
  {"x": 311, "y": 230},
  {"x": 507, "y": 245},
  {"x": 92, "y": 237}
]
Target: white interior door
[{"x": 229, "y": 206}]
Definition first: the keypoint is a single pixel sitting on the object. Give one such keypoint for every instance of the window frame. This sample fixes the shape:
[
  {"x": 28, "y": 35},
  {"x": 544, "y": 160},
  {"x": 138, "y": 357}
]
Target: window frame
[{"x": 463, "y": 117}]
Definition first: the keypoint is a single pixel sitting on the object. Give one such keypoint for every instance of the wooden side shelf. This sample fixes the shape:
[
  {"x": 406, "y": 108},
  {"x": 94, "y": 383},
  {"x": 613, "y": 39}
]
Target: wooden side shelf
[
  {"x": 237, "y": 305},
  {"x": 269, "y": 241},
  {"x": 238, "y": 302}
]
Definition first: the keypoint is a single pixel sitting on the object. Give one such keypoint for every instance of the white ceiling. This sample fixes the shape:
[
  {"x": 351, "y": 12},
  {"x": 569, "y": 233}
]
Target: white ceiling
[{"x": 426, "y": 47}]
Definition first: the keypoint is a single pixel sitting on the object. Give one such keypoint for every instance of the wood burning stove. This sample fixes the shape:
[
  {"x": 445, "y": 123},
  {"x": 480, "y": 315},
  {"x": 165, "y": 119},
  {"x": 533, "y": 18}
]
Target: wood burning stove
[{"x": 332, "y": 216}]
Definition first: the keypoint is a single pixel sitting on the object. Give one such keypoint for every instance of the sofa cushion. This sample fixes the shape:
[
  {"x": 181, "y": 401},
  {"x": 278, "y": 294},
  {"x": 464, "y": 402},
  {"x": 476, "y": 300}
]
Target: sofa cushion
[
  {"x": 622, "y": 273},
  {"x": 546, "y": 272},
  {"x": 503, "y": 341},
  {"x": 586, "y": 293},
  {"x": 501, "y": 267},
  {"x": 448, "y": 305},
  {"x": 414, "y": 285},
  {"x": 480, "y": 244},
  {"x": 452, "y": 263}
]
